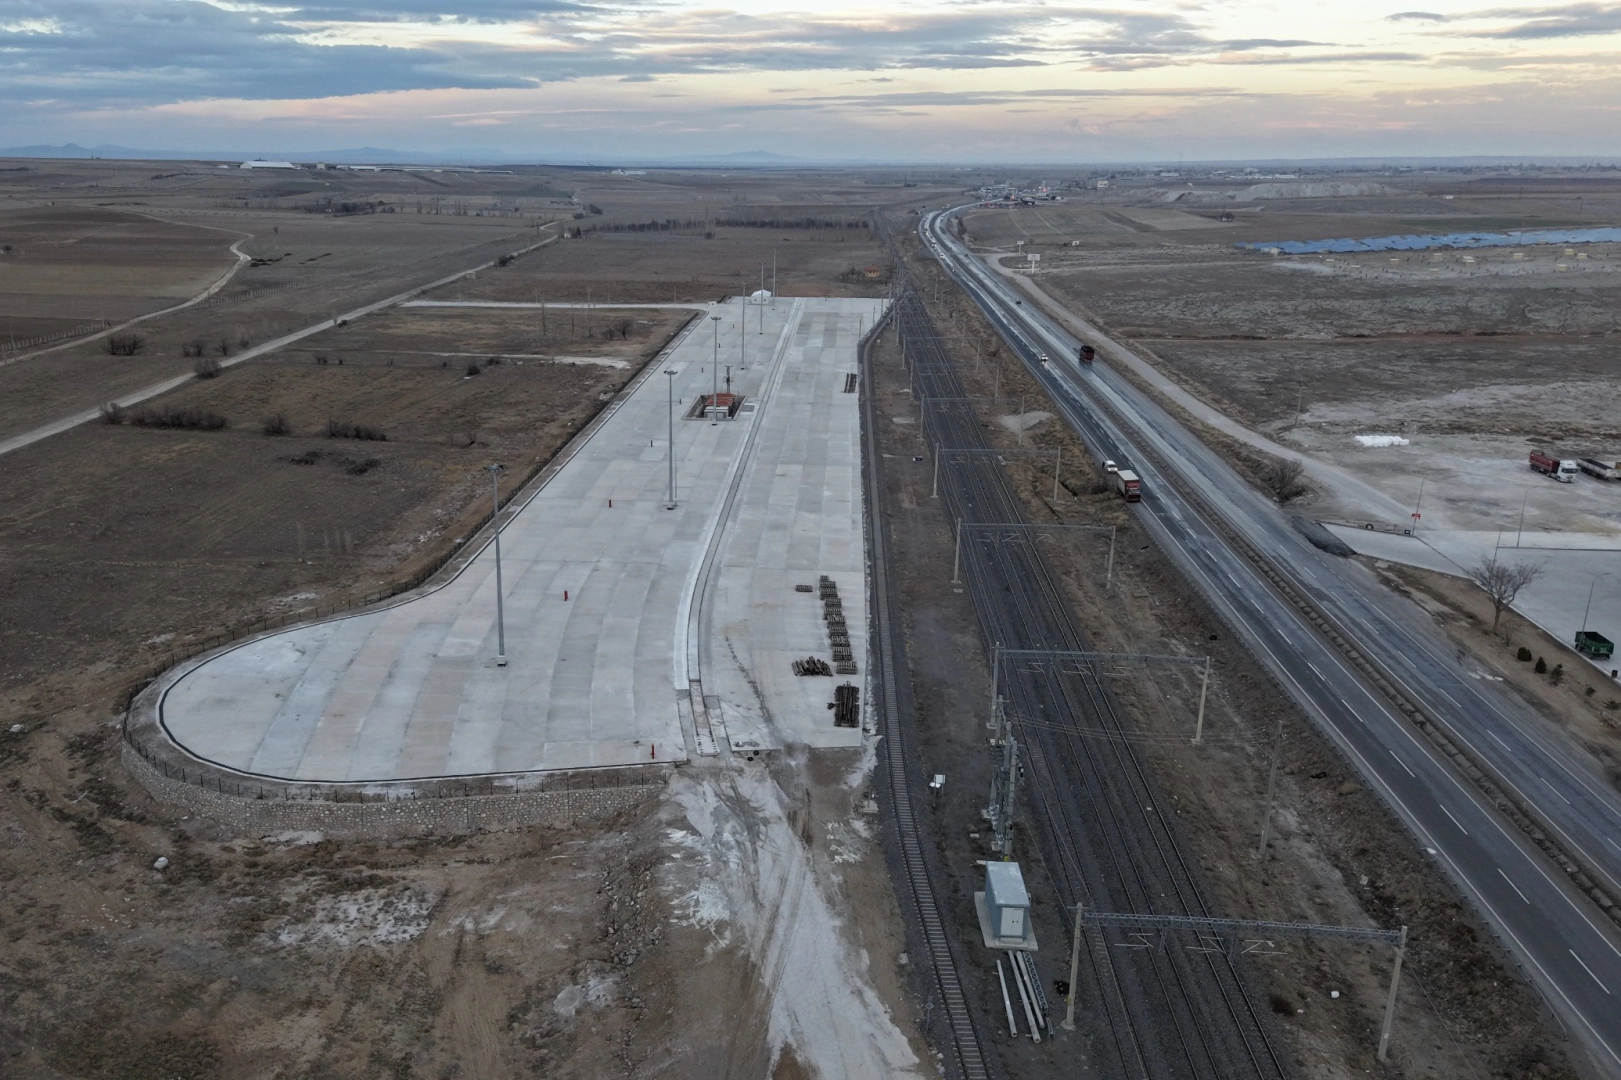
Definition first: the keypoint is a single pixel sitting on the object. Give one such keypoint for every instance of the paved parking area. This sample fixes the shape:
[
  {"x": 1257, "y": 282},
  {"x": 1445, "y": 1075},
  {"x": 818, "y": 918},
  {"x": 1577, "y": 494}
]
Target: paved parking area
[{"x": 634, "y": 633}]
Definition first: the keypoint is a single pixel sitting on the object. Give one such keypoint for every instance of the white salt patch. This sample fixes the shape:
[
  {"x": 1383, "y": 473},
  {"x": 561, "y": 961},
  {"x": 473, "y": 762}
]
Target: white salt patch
[{"x": 1381, "y": 440}]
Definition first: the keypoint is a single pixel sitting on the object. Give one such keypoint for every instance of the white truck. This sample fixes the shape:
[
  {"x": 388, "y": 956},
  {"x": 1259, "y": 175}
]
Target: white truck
[{"x": 1599, "y": 469}]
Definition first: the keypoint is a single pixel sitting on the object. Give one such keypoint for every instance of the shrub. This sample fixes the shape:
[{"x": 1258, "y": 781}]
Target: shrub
[
  {"x": 1524, "y": 655},
  {"x": 172, "y": 416},
  {"x": 276, "y": 424},
  {"x": 505, "y": 260},
  {"x": 224, "y": 347},
  {"x": 112, "y": 413},
  {"x": 1557, "y": 675},
  {"x": 1542, "y": 666},
  {"x": 348, "y": 429},
  {"x": 207, "y": 368},
  {"x": 491, "y": 361},
  {"x": 361, "y": 468},
  {"x": 125, "y": 344},
  {"x": 473, "y": 368},
  {"x": 1283, "y": 479},
  {"x": 194, "y": 347}
]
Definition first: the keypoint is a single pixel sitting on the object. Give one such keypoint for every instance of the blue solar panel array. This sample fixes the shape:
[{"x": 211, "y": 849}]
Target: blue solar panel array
[{"x": 1444, "y": 240}]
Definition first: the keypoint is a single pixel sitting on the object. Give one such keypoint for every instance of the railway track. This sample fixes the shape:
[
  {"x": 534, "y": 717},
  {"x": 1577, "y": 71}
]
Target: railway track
[
  {"x": 1161, "y": 1011},
  {"x": 955, "y": 1031}
]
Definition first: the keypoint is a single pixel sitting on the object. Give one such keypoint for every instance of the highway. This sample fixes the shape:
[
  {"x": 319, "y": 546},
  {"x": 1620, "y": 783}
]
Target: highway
[{"x": 1571, "y": 950}]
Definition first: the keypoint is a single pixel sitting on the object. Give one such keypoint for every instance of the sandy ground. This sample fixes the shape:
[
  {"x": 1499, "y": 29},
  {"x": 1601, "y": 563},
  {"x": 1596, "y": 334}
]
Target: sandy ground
[{"x": 1332, "y": 858}]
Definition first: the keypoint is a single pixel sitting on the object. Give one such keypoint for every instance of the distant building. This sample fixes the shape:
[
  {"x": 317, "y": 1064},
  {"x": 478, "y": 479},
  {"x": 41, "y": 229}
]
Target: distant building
[
  {"x": 256, "y": 164},
  {"x": 873, "y": 273}
]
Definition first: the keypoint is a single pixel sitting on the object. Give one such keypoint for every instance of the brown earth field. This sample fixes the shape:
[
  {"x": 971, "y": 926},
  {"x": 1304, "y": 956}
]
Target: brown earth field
[
  {"x": 64, "y": 266},
  {"x": 1336, "y": 853},
  {"x": 328, "y": 241}
]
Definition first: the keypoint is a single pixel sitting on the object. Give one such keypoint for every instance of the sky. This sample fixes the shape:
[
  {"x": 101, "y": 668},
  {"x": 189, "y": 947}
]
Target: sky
[{"x": 964, "y": 81}]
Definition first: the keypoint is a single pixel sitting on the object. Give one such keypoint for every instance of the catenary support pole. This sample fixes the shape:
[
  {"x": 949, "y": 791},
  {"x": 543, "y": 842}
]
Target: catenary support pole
[
  {"x": 1390, "y": 1002},
  {"x": 935, "y": 492},
  {"x": 1204, "y": 690},
  {"x": 1074, "y": 969},
  {"x": 1058, "y": 465},
  {"x": 956, "y": 558},
  {"x": 996, "y": 676},
  {"x": 1108, "y": 575}
]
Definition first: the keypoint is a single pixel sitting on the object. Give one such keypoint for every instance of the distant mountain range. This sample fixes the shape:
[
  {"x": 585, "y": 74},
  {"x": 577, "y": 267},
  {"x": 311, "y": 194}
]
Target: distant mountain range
[{"x": 375, "y": 155}]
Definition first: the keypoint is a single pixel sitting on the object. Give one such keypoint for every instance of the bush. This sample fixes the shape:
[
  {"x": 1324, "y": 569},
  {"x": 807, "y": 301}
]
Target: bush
[
  {"x": 112, "y": 413},
  {"x": 345, "y": 429},
  {"x": 276, "y": 424},
  {"x": 1542, "y": 666},
  {"x": 125, "y": 344},
  {"x": 473, "y": 368},
  {"x": 172, "y": 416},
  {"x": 207, "y": 368},
  {"x": 1557, "y": 675},
  {"x": 491, "y": 361},
  {"x": 194, "y": 347},
  {"x": 1283, "y": 479},
  {"x": 1524, "y": 655},
  {"x": 224, "y": 347},
  {"x": 505, "y": 260}
]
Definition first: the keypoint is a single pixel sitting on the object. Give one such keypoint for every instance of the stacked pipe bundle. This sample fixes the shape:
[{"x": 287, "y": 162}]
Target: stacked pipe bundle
[{"x": 838, "y": 632}]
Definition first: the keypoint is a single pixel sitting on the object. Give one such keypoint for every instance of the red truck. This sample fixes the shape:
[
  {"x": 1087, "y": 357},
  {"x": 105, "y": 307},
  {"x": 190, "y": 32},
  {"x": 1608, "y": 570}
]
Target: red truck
[
  {"x": 1088, "y": 354},
  {"x": 1562, "y": 471},
  {"x": 1128, "y": 485}
]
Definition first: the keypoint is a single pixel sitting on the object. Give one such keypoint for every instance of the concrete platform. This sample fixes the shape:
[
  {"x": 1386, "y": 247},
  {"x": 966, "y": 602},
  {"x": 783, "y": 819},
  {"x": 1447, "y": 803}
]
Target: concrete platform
[{"x": 679, "y": 624}]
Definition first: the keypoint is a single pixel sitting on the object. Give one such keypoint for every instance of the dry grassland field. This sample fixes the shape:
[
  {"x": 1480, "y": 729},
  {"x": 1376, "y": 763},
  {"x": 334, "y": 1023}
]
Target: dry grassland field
[
  {"x": 531, "y": 952},
  {"x": 1476, "y": 362}
]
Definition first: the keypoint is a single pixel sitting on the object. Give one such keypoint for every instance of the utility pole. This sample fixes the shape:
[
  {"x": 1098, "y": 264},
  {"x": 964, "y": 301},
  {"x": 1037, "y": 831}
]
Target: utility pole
[
  {"x": 714, "y": 398},
  {"x": 1271, "y": 789},
  {"x": 500, "y": 613},
  {"x": 956, "y": 558},
  {"x": 1004, "y": 785},
  {"x": 1521, "y": 530},
  {"x": 670, "y": 382}
]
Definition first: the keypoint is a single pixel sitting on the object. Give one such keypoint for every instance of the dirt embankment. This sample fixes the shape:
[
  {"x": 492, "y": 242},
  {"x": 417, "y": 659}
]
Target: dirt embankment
[{"x": 1337, "y": 855}]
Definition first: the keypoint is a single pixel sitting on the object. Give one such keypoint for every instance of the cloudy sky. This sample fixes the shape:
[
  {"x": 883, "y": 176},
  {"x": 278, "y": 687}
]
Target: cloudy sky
[{"x": 882, "y": 80}]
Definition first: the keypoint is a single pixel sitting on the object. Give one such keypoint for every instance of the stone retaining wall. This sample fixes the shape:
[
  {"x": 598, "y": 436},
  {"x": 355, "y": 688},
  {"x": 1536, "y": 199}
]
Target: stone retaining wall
[{"x": 393, "y": 817}]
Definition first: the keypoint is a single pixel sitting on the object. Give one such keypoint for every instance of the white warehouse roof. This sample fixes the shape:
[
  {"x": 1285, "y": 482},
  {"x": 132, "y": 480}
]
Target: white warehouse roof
[{"x": 268, "y": 165}]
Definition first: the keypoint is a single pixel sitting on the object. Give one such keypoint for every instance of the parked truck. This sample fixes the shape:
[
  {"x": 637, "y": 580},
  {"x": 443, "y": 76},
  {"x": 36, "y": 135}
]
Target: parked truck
[
  {"x": 1594, "y": 644},
  {"x": 1599, "y": 469},
  {"x": 1562, "y": 471},
  {"x": 1128, "y": 485}
]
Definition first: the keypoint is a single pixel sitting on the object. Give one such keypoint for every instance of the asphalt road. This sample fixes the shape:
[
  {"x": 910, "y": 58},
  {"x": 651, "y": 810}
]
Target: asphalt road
[{"x": 1570, "y": 949}]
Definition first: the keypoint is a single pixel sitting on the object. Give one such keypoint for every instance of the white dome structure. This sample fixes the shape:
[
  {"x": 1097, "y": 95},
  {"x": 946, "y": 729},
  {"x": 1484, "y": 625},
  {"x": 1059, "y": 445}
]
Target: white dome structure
[{"x": 760, "y": 296}]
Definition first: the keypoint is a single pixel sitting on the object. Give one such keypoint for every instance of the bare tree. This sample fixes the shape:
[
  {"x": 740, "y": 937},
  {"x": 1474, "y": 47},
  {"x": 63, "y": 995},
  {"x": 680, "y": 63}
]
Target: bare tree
[
  {"x": 1501, "y": 582},
  {"x": 1283, "y": 479}
]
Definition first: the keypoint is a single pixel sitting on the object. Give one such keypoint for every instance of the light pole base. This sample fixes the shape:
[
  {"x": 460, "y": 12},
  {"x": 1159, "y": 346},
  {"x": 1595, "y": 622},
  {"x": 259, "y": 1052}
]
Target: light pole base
[{"x": 500, "y": 661}]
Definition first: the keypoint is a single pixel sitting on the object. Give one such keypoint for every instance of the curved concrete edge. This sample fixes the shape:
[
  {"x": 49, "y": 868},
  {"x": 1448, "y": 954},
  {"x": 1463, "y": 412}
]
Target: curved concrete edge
[
  {"x": 254, "y": 809},
  {"x": 147, "y": 739}
]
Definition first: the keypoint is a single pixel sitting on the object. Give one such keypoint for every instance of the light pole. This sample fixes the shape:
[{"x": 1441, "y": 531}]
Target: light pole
[
  {"x": 500, "y": 611},
  {"x": 1596, "y": 579},
  {"x": 714, "y": 397},
  {"x": 670, "y": 382},
  {"x": 743, "y": 339}
]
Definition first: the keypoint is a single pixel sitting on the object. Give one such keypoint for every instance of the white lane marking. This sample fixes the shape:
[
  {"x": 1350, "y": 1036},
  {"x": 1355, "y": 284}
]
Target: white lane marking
[
  {"x": 1513, "y": 886},
  {"x": 1612, "y": 843},
  {"x": 1500, "y": 742},
  {"x": 1313, "y": 667},
  {"x": 1555, "y": 790},
  {"x": 1455, "y": 821},
  {"x": 1589, "y": 970},
  {"x": 1403, "y": 764}
]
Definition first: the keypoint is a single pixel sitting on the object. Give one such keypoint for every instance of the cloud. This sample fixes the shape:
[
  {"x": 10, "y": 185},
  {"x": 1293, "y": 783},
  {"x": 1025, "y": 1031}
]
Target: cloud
[
  {"x": 1571, "y": 20},
  {"x": 1416, "y": 16}
]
